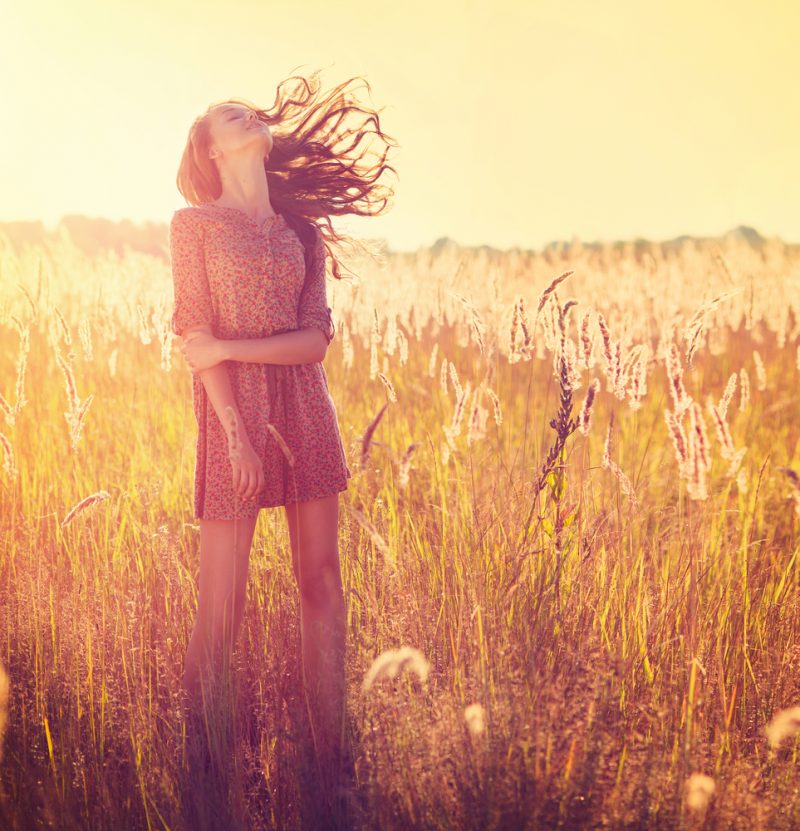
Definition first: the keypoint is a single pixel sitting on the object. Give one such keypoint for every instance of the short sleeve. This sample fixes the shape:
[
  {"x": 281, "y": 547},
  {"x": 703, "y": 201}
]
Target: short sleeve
[
  {"x": 313, "y": 309},
  {"x": 193, "y": 305}
]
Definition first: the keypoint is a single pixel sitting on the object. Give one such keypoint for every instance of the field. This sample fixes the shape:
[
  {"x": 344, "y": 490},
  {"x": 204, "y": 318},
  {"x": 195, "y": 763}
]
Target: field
[{"x": 599, "y": 599}]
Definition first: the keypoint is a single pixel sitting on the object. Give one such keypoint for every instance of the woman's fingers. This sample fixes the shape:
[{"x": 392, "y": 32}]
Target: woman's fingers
[
  {"x": 243, "y": 482},
  {"x": 255, "y": 483},
  {"x": 236, "y": 477},
  {"x": 247, "y": 476},
  {"x": 247, "y": 489},
  {"x": 252, "y": 485}
]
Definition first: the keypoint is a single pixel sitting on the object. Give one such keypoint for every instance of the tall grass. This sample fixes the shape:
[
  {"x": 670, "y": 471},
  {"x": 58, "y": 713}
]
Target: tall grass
[{"x": 569, "y": 549}]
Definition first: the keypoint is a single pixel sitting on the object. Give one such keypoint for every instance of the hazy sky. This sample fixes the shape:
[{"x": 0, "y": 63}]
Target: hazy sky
[{"x": 518, "y": 122}]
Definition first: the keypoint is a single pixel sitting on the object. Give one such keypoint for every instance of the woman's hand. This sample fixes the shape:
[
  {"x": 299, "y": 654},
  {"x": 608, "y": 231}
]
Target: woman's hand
[
  {"x": 201, "y": 351},
  {"x": 247, "y": 468}
]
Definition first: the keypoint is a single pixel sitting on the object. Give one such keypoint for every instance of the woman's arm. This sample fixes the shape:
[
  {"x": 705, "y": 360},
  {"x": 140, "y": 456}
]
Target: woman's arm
[
  {"x": 217, "y": 384},
  {"x": 300, "y": 346}
]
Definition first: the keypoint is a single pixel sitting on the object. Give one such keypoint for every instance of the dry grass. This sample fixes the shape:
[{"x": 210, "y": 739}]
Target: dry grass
[{"x": 570, "y": 562}]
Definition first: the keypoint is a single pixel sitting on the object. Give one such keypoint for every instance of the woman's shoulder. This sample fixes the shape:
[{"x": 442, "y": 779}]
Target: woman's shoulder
[
  {"x": 192, "y": 212},
  {"x": 194, "y": 218}
]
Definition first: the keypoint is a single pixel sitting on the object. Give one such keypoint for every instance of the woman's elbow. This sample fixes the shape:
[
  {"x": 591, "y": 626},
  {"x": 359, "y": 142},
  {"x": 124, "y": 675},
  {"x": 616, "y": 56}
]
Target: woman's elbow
[{"x": 322, "y": 344}]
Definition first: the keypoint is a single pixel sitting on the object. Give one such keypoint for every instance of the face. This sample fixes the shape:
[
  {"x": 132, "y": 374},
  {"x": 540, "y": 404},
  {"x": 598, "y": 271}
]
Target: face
[{"x": 236, "y": 129}]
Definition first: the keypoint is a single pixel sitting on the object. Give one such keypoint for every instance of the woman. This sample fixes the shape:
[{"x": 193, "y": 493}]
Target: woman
[{"x": 248, "y": 265}]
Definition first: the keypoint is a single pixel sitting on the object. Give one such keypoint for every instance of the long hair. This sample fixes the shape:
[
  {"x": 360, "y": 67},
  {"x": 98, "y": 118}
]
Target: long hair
[{"x": 316, "y": 168}]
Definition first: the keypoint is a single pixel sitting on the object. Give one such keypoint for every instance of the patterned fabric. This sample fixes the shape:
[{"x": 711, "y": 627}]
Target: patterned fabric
[{"x": 247, "y": 280}]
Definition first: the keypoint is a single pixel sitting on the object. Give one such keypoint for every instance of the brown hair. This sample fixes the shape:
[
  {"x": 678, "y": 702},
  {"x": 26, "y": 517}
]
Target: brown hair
[{"x": 314, "y": 170}]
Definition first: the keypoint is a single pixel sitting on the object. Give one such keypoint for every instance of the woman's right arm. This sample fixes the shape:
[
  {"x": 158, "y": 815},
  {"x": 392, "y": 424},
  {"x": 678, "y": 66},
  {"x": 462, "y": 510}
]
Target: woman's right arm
[
  {"x": 217, "y": 384},
  {"x": 193, "y": 309}
]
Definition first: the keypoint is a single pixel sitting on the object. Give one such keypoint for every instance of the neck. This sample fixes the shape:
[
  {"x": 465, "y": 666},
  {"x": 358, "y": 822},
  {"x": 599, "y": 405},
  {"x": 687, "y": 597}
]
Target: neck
[{"x": 244, "y": 184}]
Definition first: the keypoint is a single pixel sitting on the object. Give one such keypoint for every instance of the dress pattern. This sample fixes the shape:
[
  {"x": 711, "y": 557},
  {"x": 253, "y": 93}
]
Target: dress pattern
[{"x": 249, "y": 280}]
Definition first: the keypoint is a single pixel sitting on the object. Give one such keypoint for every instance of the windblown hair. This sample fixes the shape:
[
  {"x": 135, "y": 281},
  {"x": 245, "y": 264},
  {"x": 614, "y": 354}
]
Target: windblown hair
[{"x": 316, "y": 168}]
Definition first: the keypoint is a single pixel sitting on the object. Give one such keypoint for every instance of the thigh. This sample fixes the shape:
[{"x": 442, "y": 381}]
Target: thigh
[
  {"x": 224, "y": 555},
  {"x": 313, "y": 531}
]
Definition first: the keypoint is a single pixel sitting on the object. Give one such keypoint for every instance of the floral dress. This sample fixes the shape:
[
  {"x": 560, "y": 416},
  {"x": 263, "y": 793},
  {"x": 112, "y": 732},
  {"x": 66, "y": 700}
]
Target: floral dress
[{"x": 248, "y": 280}]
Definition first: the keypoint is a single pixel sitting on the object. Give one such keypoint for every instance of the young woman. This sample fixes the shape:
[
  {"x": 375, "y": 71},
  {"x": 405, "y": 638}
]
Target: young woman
[{"x": 248, "y": 264}]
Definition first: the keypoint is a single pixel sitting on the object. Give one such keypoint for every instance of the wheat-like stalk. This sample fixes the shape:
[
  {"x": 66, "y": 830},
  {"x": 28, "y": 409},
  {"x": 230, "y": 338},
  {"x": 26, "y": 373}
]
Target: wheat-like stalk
[
  {"x": 285, "y": 449},
  {"x": 761, "y": 372},
  {"x": 678, "y": 436},
  {"x": 458, "y": 413},
  {"x": 550, "y": 289},
  {"x": 794, "y": 479},
  {"x": 366, "y": 439},
  {"x": 85, "y": 334},
  {"x": 404, "y": 468},
  {"x": 69, "y": 380},
  {"x": 478, "y": 417},
  {"x": 681, "y": 400},
  {"x": 638, "y": 384},
  {"x": 587, "y": 409},
  {"x": 609, "y": 464},
  {"x": 7, "y": 410},
  {"x": 744, "y": 389},
  {"x": 587, "y": 340},
  {"x": 607, "y": 345},
  {"x": 478, "y": 326},
  {"x": 144, "y": 325},
  {"x": 83, "y": 505},
  {"x": 498, "y": 414},
  {"x": 512, "y": 338},
  {"x": 455, "y": 381},
  {"x": 31, "y": 304},
  {"x": 698, "y": 426},
  {"x": 432, "y": 361},
  {"x": 526, "y": 330},
  {"x": 22, "y": 362},
  {"x": 443, "y": 377},
  {"x": 369, "y": 527},
  {"x": 697, "y": 324},
  {"x": 9, "y": 464},
  {"x": 64, "y": 327},
  {"x": 722, "y": 430},
  {"x": 696, "y": 467},
  {"x": 389, "y": 387},
  {"x": 374, "y": 340},
  {"x": 728, "y": 394}
]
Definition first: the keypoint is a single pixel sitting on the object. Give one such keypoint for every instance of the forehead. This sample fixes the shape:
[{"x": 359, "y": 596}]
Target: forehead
[{"x": 229, "y": 109}]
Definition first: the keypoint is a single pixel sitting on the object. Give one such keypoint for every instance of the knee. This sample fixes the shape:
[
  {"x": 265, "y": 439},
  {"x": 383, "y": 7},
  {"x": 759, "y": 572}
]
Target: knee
[
  {"x": 222, "y": 609},
  {"x": 321, "y": 588}
]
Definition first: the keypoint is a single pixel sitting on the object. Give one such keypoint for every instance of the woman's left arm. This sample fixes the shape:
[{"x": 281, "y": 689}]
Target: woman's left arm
[{"x": 300, "y": 346}]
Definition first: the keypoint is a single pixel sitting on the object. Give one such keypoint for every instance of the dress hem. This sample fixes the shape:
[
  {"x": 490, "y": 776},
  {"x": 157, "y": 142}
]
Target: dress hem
[{"x": 277, "y": 505}]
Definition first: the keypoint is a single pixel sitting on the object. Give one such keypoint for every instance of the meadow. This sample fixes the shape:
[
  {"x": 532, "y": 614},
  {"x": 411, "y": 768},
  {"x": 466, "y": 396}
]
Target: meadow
[{"x": 569, "y": 547}]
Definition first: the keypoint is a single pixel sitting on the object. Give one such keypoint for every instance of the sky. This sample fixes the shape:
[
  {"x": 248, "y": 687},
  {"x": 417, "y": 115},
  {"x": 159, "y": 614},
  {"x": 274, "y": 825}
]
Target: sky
[{"x": 518, "y": 123}]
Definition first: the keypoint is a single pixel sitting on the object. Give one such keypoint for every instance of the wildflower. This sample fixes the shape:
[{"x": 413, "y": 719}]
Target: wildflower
[
  {"x": 475, "y": 717},
  {"x": 699, "y": 790},
  {"x": 391, "y": 662},
  {"x": 785, "y": 724}
]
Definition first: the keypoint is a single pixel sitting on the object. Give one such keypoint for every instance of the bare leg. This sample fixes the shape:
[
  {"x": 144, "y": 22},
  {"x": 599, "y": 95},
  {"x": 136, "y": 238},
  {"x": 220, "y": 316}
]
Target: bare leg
[
  {"x": 313, "y": 528},
  {"x": 222, "y": 594}
]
